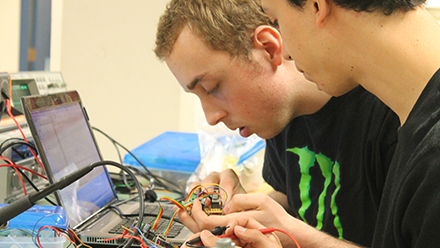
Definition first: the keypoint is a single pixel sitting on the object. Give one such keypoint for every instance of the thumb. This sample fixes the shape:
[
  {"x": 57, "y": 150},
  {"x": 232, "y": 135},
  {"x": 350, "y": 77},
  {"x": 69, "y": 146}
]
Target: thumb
[{"x": 208, "y": 239}]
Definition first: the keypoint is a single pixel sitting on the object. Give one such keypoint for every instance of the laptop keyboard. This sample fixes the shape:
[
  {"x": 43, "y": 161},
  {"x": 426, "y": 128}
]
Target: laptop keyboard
[
  {"x": 150, "y": 215},
  {"x": 153, "y": 210}
]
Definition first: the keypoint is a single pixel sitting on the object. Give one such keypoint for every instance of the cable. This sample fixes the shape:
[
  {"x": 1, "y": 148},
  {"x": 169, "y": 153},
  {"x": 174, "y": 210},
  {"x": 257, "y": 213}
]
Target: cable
[
  {"x": 218, "y": 230},
  {"x": 139, "y": 188},
  {"x": 143, "y": 174},
  {"x": 35, "y": 187},
  {"x": 8, "y": 108},
  {"x": 156, "y": 178},
  {"x": 9, "y": 139},
  {"x": 19, "y": 169},
  {"x": 18, "y": 173},
  {"x": 12, "y": 210},
  {"x": 56, "y": 231},
  {"x": 18, "y": 142}
]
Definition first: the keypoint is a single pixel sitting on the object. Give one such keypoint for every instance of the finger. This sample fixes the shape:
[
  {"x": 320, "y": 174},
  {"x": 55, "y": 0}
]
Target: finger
[
  {"x": 188, "y": 221},
  {"x": 208, "y": 239},
  {"x": 213, "y": 177},
  {"x": 203, "y": 220},
  {"x": 194, "y": 184},
  {"x": 190, "y": 238},
  {"x": 244, "y": 202},
  {"x": 238, "y": 219},
  {"x": 255, "y": 238},
  {"x": 231, "y": 183}
]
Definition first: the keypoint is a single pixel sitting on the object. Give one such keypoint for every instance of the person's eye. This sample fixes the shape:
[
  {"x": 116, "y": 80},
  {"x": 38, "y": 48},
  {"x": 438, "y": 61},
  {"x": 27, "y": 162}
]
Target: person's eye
[{"x": 213, "y": 90}]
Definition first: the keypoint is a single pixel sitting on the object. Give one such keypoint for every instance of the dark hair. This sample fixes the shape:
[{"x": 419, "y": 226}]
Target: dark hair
[{"x": 386, "y": 6}]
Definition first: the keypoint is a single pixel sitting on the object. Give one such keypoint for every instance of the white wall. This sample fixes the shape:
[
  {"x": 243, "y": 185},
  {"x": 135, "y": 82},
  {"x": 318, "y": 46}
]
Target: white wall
[
  {"x": 10, "y": 35},
  {"x": 104, "y": 50}
]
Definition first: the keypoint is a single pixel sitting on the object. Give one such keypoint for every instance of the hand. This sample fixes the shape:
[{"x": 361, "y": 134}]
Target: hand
[
  {"x": 227, "y": 179},
  {"x": 247, "y": 235},
  {"x": 256, "y": 206},
  {"x": 246, "y": 230},
  {"x": 198, "y": 220},
  {"x": 266, "y": 211}
]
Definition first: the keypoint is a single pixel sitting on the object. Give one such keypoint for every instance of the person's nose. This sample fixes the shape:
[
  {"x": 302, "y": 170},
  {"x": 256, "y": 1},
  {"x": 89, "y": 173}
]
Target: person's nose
[{"x": 214, "y": 114}]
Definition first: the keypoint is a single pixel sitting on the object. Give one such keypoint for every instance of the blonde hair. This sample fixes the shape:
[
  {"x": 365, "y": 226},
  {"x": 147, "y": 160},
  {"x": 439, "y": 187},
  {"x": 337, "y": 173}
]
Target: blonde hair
[{"x": 224, "y": 25}]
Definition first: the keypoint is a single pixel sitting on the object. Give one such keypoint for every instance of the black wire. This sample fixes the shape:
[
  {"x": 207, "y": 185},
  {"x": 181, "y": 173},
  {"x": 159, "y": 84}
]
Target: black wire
[
  {"x": 20, "y": 142},
  {"x": 33, "y": 186},
  {"x": 143, "y": 174},
  {"x": 122, "y": 174},
  {"x": 140, "y": 190},
  {"x": 124, "y": 179},
  {"x": 117, "y": 150},
  {"x": 122, "y": 215},
  {"x": 156, "y": 178},
  {"x": 9, "y": 139}
]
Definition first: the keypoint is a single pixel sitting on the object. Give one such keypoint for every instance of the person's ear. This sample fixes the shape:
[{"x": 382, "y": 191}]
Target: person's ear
[
  {"x": 322, "y": 10},
  {"x": 269, "y": 39}
]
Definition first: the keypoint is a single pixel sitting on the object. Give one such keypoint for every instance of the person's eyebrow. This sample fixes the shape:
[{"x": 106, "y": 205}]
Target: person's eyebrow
[{"x": 194, "y": 82}]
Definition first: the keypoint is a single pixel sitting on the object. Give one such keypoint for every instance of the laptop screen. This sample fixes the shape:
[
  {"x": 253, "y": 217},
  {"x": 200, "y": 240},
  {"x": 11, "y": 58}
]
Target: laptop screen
[{"x": 65, "y": 143}]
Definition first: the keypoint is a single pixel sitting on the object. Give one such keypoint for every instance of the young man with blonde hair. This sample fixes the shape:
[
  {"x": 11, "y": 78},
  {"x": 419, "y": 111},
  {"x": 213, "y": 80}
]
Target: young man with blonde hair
[{"x": 327, "y": 158}]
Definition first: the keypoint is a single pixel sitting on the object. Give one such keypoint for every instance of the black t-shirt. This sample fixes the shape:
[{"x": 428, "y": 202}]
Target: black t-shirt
[
  {"x": 409, "y": 215},
  {"x": 332, "y": 165}
]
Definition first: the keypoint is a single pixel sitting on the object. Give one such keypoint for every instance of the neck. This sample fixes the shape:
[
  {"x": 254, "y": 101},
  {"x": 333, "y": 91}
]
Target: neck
[
  {"x": 396, "y": 55},
  {"x": 307, "y": 97}
]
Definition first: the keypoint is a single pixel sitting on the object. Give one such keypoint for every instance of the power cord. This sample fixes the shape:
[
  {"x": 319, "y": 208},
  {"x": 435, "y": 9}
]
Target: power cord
[
  {"x": 11, "y": 145},
  {"x": 159, "y": 180}
]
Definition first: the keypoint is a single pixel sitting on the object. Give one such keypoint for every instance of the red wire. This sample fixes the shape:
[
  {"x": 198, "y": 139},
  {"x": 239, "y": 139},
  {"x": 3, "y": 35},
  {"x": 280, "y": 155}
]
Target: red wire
[
  {"x": 8, "y": 109},
  {"x": 21, "y": 167},
  {"x": 56, "y": 231},
  {"x": 16, "y": 170},
  {"x": 128, "y": 236}
]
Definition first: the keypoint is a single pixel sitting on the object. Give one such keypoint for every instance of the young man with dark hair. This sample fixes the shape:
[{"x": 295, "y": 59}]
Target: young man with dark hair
[{"x": 391, "y": 49}]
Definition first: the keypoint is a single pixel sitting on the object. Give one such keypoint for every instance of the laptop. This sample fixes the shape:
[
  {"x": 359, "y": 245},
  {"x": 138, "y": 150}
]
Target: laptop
[{"x": 65, "y": 142}]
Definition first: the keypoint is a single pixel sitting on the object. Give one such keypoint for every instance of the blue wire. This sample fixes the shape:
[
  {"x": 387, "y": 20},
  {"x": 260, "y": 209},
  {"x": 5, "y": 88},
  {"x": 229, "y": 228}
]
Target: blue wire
[
  {"x": 151, "y": 244},
  {"x": 226, "y": 194},
  {"x": 34, "y": 237}
]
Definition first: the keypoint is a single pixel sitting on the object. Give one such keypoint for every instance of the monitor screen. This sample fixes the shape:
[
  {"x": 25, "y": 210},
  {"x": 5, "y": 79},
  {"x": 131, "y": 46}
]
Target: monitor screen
[
  {"x": 20, "y": 88},
  {"x": 67, "y": 144}
]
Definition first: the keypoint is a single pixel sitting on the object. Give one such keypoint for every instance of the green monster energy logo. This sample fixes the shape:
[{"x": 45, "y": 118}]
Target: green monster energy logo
[{"x": 328, "y": 168}]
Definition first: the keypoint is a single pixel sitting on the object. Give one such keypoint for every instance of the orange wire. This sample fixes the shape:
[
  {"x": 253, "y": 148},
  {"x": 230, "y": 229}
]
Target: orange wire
[{"x": 76, "y": 236}]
